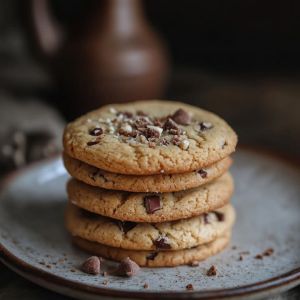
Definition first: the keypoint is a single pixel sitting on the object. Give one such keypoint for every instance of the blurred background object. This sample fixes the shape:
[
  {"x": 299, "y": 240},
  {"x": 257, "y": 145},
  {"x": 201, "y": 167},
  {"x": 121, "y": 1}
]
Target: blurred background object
[{"x": 60, "y": 58}]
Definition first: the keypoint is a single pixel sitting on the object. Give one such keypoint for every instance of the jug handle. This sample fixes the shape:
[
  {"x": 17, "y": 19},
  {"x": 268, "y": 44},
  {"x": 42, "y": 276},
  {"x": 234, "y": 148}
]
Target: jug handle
[{"x": 47, "y": 32}]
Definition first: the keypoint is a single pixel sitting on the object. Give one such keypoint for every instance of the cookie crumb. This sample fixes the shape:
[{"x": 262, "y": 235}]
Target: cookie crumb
[
  {"x": 268, "y": 252},
  {"x": 91, "y": 265},
  {"x": 146, "y": 285},
  {"x": 212, "y": 271},
  {"x": 189, "y": 287}
]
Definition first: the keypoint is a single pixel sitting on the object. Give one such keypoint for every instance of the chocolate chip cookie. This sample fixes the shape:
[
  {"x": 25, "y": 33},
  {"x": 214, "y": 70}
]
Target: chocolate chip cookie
[
  {"x": 176, "y": 235},
  {"x": 149, "y": 137},
  {"x": 144, "y": 183}
]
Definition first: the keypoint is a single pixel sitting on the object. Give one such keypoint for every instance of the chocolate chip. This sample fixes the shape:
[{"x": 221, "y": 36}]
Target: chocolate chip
[
  {"x": 182, "y": 117},
  {"x": 152, "y": 203},
  {"x": 162, "y": 244},
  {"x": 202, "y": 173},
  {"x": 92, "y": 143},
  {"x": 91, "y": 265},
  {"x": 96, "y": 131},
  {"x": 189, "y": 287},
  {"x": 125, "y": 226},
  {"x": 152, "y": 256},
  {"x": 212, "y": 271},
  {"x": 220, "y": 216},
  {"x": 205, "y": 126},
  {"x": 170, "y": 124},
  {"x": 127, "y": 267}
]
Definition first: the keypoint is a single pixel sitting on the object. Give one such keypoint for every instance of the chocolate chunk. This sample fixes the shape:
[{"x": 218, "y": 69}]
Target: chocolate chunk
[
  {"x": 92, "y": 143},
  {"x": 152, "y": 203},
  {"x": 189, "y": 287},
  {"x": 182, "y": 117},
  {"x": 141, "y": 123},
  {"x": 152, "y": 131},
  {"x": 125, "y": 226},
  {"x": 96, "y": 131},
  {"x": 202, "y": 173},
  {"x": 170, "y": 124},
  {"x": 220, "y": 216},
  {"x": 205, "y": 126},
  {"x": 91, "y": 265},
  {"x": 162, "y": 244},
  {"x": 152, "y": 256},
  {"x": 212, "y": 271},
  {"x": 127, "y": 267}
]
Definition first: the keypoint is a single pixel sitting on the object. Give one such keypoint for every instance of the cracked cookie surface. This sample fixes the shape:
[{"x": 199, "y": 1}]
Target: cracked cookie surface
[
  {"x": 157, "y": 259},
  {"x": 144, "y": 183},
  {"x": 176, "y": 235},
  {"x": 149, "y": 137},
  {"x": 151, "y": 207}
]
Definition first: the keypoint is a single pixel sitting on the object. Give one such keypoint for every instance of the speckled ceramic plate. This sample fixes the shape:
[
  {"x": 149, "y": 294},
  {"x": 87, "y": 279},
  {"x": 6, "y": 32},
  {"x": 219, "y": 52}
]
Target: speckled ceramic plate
[{"x": 34, "y": 244}]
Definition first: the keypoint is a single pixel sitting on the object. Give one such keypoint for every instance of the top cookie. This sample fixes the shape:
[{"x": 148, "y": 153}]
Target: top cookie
[{"x": 149, "y": 137}]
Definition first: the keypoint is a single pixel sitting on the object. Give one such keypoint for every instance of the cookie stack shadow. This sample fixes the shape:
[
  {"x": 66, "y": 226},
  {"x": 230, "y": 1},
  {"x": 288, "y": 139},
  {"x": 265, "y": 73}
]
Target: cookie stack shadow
[{"x": 158, "y": 219}]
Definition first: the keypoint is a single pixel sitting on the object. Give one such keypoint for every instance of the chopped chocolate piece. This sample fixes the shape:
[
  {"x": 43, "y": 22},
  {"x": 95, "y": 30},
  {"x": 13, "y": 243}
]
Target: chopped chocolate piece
[
  {"x": 158, "y": 123},
  {"x": 176, "y": 140},
  {"x": 152, "y": 256},
  {"x": 258, "y": 256},
  {"x": 202, "y": 173},
  {"x": 162, "y": 244},
  {"x": 177, "y": 131},
  {"x": 125, "y": 226},
  {"x": 194, "y": 263},
  {"x": 91, "y": 265},
  {"x": 125, "y": 129},
  {"x": 152, "y": 203},
  {"x": 220, "y": 216},
  {"x": 170, "y": 124},
  {"x": 146, "y": 285},
  {"x": 152, "y": 131},
  {"x": 212, "y": 271},
  {"x": 92, "y": 143},
  {"x": 96, "y": 131},
  {"x": 141, "y": 123},
  {"x": 182, "y": 117},
  {"x": 127, "y": 267},
  {"x": 268, "y": 252},
  {"x": 189, "y": 287},
  {"x": 205, "y": 126}
]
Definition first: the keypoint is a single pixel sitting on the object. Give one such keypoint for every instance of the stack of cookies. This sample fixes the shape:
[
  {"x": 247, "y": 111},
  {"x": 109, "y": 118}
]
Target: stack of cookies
[{"x": 150, "y": 182}]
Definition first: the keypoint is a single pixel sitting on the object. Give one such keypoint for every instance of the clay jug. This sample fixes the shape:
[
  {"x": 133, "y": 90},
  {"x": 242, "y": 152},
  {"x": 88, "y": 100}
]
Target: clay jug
[{"x": 112, "y": 55}]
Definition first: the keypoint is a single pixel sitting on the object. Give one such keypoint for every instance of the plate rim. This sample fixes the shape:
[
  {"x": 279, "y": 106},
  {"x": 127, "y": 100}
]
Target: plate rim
[{"x": 280, "y": 281}]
